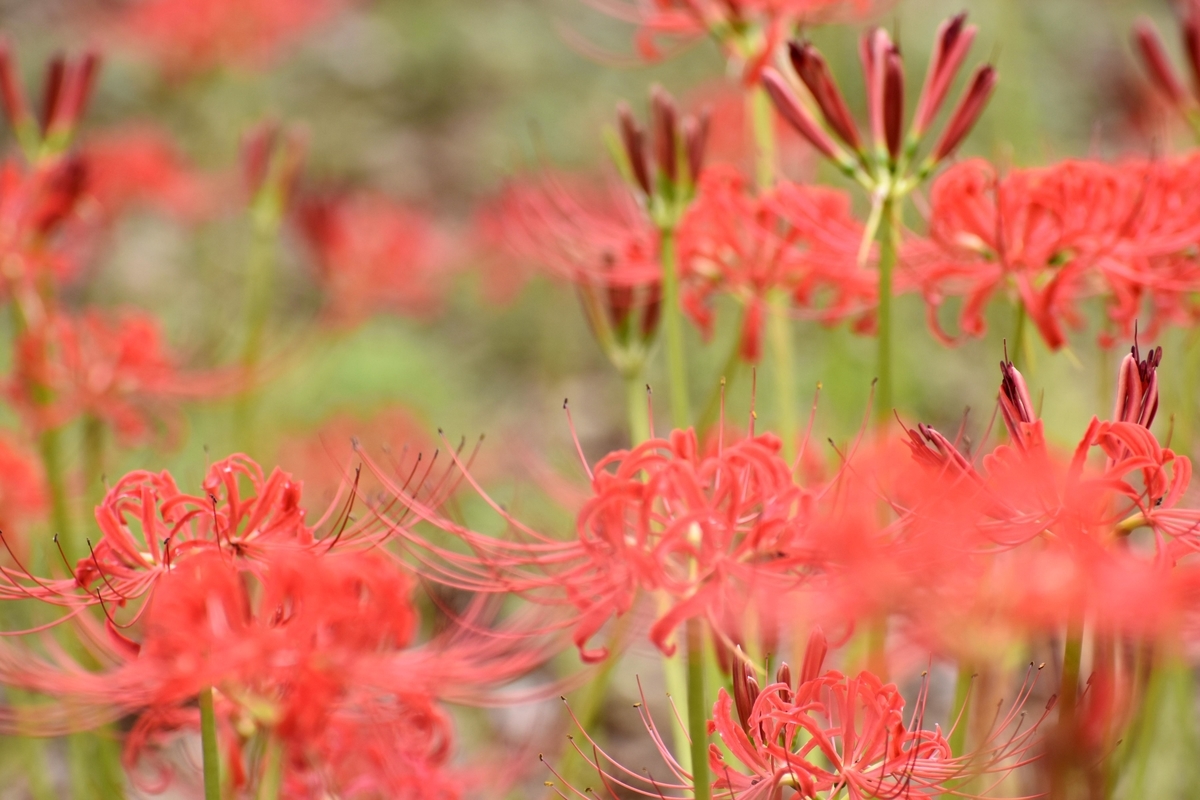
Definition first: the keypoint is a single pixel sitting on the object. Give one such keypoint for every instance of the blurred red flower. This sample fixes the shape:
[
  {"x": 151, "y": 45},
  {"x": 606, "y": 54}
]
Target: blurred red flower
[{"x": 375, "y": 255}]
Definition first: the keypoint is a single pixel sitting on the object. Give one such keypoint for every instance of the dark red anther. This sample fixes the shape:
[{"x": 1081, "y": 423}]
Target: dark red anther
[
  {"x": 1150, "y": 47},
  {"x": 893, "y": 102},
  {"x": 695, "y": 142},
  {"x": 814, "y": 72},
  {"x": 974, "y": 100},
  {"x": 634, "y": 141},
  {"x": 666, "y": 133}
]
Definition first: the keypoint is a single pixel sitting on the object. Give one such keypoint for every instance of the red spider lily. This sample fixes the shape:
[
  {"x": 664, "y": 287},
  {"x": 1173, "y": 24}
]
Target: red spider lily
[
  {"x": 1076, "y": 229},
  {"x": 22, "y": 490},
  {"x": 39, "y": 237},
  {"x": 748, "y": 30},
  {"x": 140, "y": 166},
  {"x": 119, "y": 371},
  {"x": 188, "y": 36},
  {"x": 825, "y": 735},
  {"x": 375, "y": 255},
  {"x": 747, "y": 246},
  {"x": 302, "y": 645},
  {"x": 833, "y": 734},
  {"x": 710, "y": 534}
]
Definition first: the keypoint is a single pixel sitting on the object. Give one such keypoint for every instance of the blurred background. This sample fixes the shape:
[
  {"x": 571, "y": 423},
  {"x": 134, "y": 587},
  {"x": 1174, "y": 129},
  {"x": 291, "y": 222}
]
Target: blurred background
[{"x": 434, "y": 104}]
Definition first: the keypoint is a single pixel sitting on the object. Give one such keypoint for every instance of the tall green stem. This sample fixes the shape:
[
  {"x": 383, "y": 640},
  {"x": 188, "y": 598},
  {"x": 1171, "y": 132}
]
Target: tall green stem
[
  {"x": 762, "y": 124},
  {"x": 271, "y": 781},
  {"x": 681, "y": 415},
  {"x": 697, "y": 705},
  {"x": 93, "y": 464},
  {"x": 889, "y": 234},
  {"x": 50, "y": 448},
  {"x": 637, "y": 406},
  {"x": 260, "y": 274},
  {"x": 208, "y": 746},
  {"x": 783, "y": 355}
]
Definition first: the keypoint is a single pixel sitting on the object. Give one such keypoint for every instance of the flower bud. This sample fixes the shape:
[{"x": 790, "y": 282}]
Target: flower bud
[
  {"x": 797, "y": 116},
  {"x": 983, "y": 83},
  {"x": 814, "y": 72},
  {"x": 634, "y": 142},
  {"x": 1154, "y": 56}
]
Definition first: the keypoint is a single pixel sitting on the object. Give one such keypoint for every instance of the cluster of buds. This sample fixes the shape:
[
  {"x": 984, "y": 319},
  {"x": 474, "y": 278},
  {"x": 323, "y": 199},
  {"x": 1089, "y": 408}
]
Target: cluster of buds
[
  {"x": 890, "y": 154},
  {"x": 1150, "y": 47},
  {"x": 665, "y": 166},
  {"x": 66, "y": 91}
]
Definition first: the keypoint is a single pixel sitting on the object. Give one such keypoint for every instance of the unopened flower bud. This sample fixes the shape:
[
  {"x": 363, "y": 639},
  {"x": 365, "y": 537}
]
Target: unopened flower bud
[
  {"x": 634, "y": 142},
  {"x": 1154, "y": 56},
  {"x": 893, "y": 102},
  {"x": 798, "y": 117},
  {"x": 814, "y": 72},
  {"x": 983, "y": 83},
  {"x": 695, "y": 142},
  {"x": 665, "y": 118},
  {"x": 954, "y": 39}
]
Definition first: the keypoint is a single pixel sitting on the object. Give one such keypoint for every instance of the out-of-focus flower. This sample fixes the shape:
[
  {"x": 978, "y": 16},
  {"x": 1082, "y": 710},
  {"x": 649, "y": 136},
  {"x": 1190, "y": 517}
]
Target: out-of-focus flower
[
  {"x": 1055, "y": 235},
  {"x": 596, "y": 238},
  {"x": 799, "y": 239},
  {"x": 190, "y": 36},
  {"x": 376, "y": 255},
  {"x": 117, "y": 370},
  {"x": 747, "y": 30},
  {"x": 139, "y": 166},
  {"x": 67, "y": 90},
  {"x": 1149, "y": 46},
  {"x": 22, "y": 493},
  {"x": 39, "y": 235}
]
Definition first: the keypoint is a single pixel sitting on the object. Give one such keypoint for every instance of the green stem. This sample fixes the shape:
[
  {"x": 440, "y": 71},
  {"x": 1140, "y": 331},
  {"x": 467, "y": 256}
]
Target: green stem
[
  {"x": 783, "y": 354},
  {"x": 208, "y": 746},
  {"x": 1072, "y": 661},
  {"x": 637, "y": 406},
  {"x": 271, "y": 782},
  {"x": 697, "y": 706},
  {"x": 260, "y": 273},
  {"x": 889, "y": 233},
  {"x": 961, "y": 717},
  {"x": 681, "y": 414},
  {"x": 762, "y": 122},
  {"x": 50, "y": 447},
  {"x": 729, "y": 372},
  {"x": 93, "y": 464}
]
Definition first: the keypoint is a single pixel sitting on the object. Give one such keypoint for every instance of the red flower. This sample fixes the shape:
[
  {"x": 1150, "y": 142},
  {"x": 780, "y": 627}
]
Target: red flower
[
  {"x": 140, "y": 166},
  {"x": 666, "y": 26},
  {"x": 831, "y": 733},
  {"x": 187, "y": 36},
  {"x": 375, "y": 255},
  {"x": 1058, "y": 234},
  {"x": 119, "y": 371}
]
